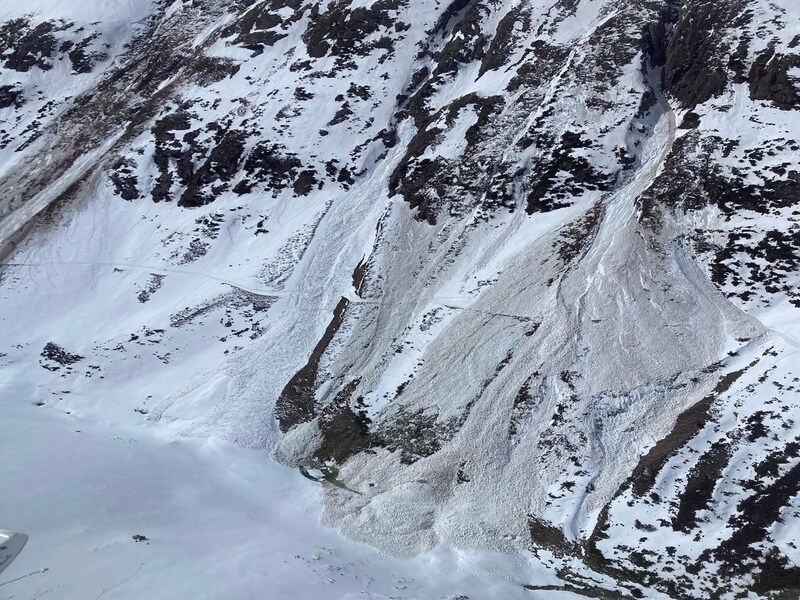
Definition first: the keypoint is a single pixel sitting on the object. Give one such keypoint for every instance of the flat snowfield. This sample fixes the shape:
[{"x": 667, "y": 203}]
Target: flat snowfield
[{"x": 212, "y": 521}]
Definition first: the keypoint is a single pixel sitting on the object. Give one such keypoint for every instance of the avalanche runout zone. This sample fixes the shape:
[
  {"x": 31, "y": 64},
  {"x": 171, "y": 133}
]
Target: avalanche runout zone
[{"x": 514, "y": 275}]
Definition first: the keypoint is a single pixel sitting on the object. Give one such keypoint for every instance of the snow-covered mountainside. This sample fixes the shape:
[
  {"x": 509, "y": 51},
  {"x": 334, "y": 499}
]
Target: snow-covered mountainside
[{"x": 514, "y": 276}]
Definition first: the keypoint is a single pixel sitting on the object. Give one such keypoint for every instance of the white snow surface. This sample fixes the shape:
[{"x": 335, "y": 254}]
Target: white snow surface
[
  {"x": 179, "y": 328},
  {"x": 221, "y": 522}
]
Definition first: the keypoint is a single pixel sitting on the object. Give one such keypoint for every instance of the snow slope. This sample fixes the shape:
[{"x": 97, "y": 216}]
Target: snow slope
[
  {"x": 215, "y": 521},
  {"x": 512, "y": 277}
]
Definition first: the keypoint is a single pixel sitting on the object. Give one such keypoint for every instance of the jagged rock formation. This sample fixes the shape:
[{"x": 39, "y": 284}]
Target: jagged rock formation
[{"x": 517, "y": 275}]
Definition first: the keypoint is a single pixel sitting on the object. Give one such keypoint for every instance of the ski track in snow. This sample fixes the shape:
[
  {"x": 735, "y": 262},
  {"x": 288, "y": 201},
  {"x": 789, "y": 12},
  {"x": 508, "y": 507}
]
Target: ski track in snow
[{"x": 154, "y": 270}]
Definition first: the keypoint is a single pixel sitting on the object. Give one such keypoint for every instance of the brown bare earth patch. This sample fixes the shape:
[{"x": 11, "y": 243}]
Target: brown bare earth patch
[{"x": 295, "y": 404}]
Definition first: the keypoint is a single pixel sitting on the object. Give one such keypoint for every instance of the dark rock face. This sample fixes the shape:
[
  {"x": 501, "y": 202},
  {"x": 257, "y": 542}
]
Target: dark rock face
[
  {"x": 767, "y": 260},
  {"x": 343, "y": 431},
  {"x": 167, "y": 148},
  {"x": 415, "y": 435},
  {"x": 54, "y": 358},
  {"x": 296, "y": 403},
  {"x": 305, "y": 183},
  {"x": 343, "y": 32},
  {"x": 269, "y": 165},
  {"x": 204, "y": 169},
  {"x": 545, "y": 194},
  {"x": 775, "y": 573},
  {"x": 210, "y": 70},
  {"x": 505, "y": 40},
  {"x": 124, "y": 181},
  {"x": 769, "y": 79},
  {"x": 691, "y": 185},
  {"x": 26, "y": 46},
  {"x": 427, "y": 183},
  {"x": 262, "y": 26},
  {"x": 544, "y": 65},
  {"x": 466, "y": 44},
  {"x": 83, "y": 59},
  {"x": 562, "y": 169},
  {"x": 696, "y": 55},
  {"x": 219, "y": 168},
  {"x": 11, "y": 95}
]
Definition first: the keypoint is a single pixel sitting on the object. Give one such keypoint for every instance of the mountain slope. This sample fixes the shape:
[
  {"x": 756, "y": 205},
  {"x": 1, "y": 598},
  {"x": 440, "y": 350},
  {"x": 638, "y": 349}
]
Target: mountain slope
[{"x": 513, "y": 275}]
